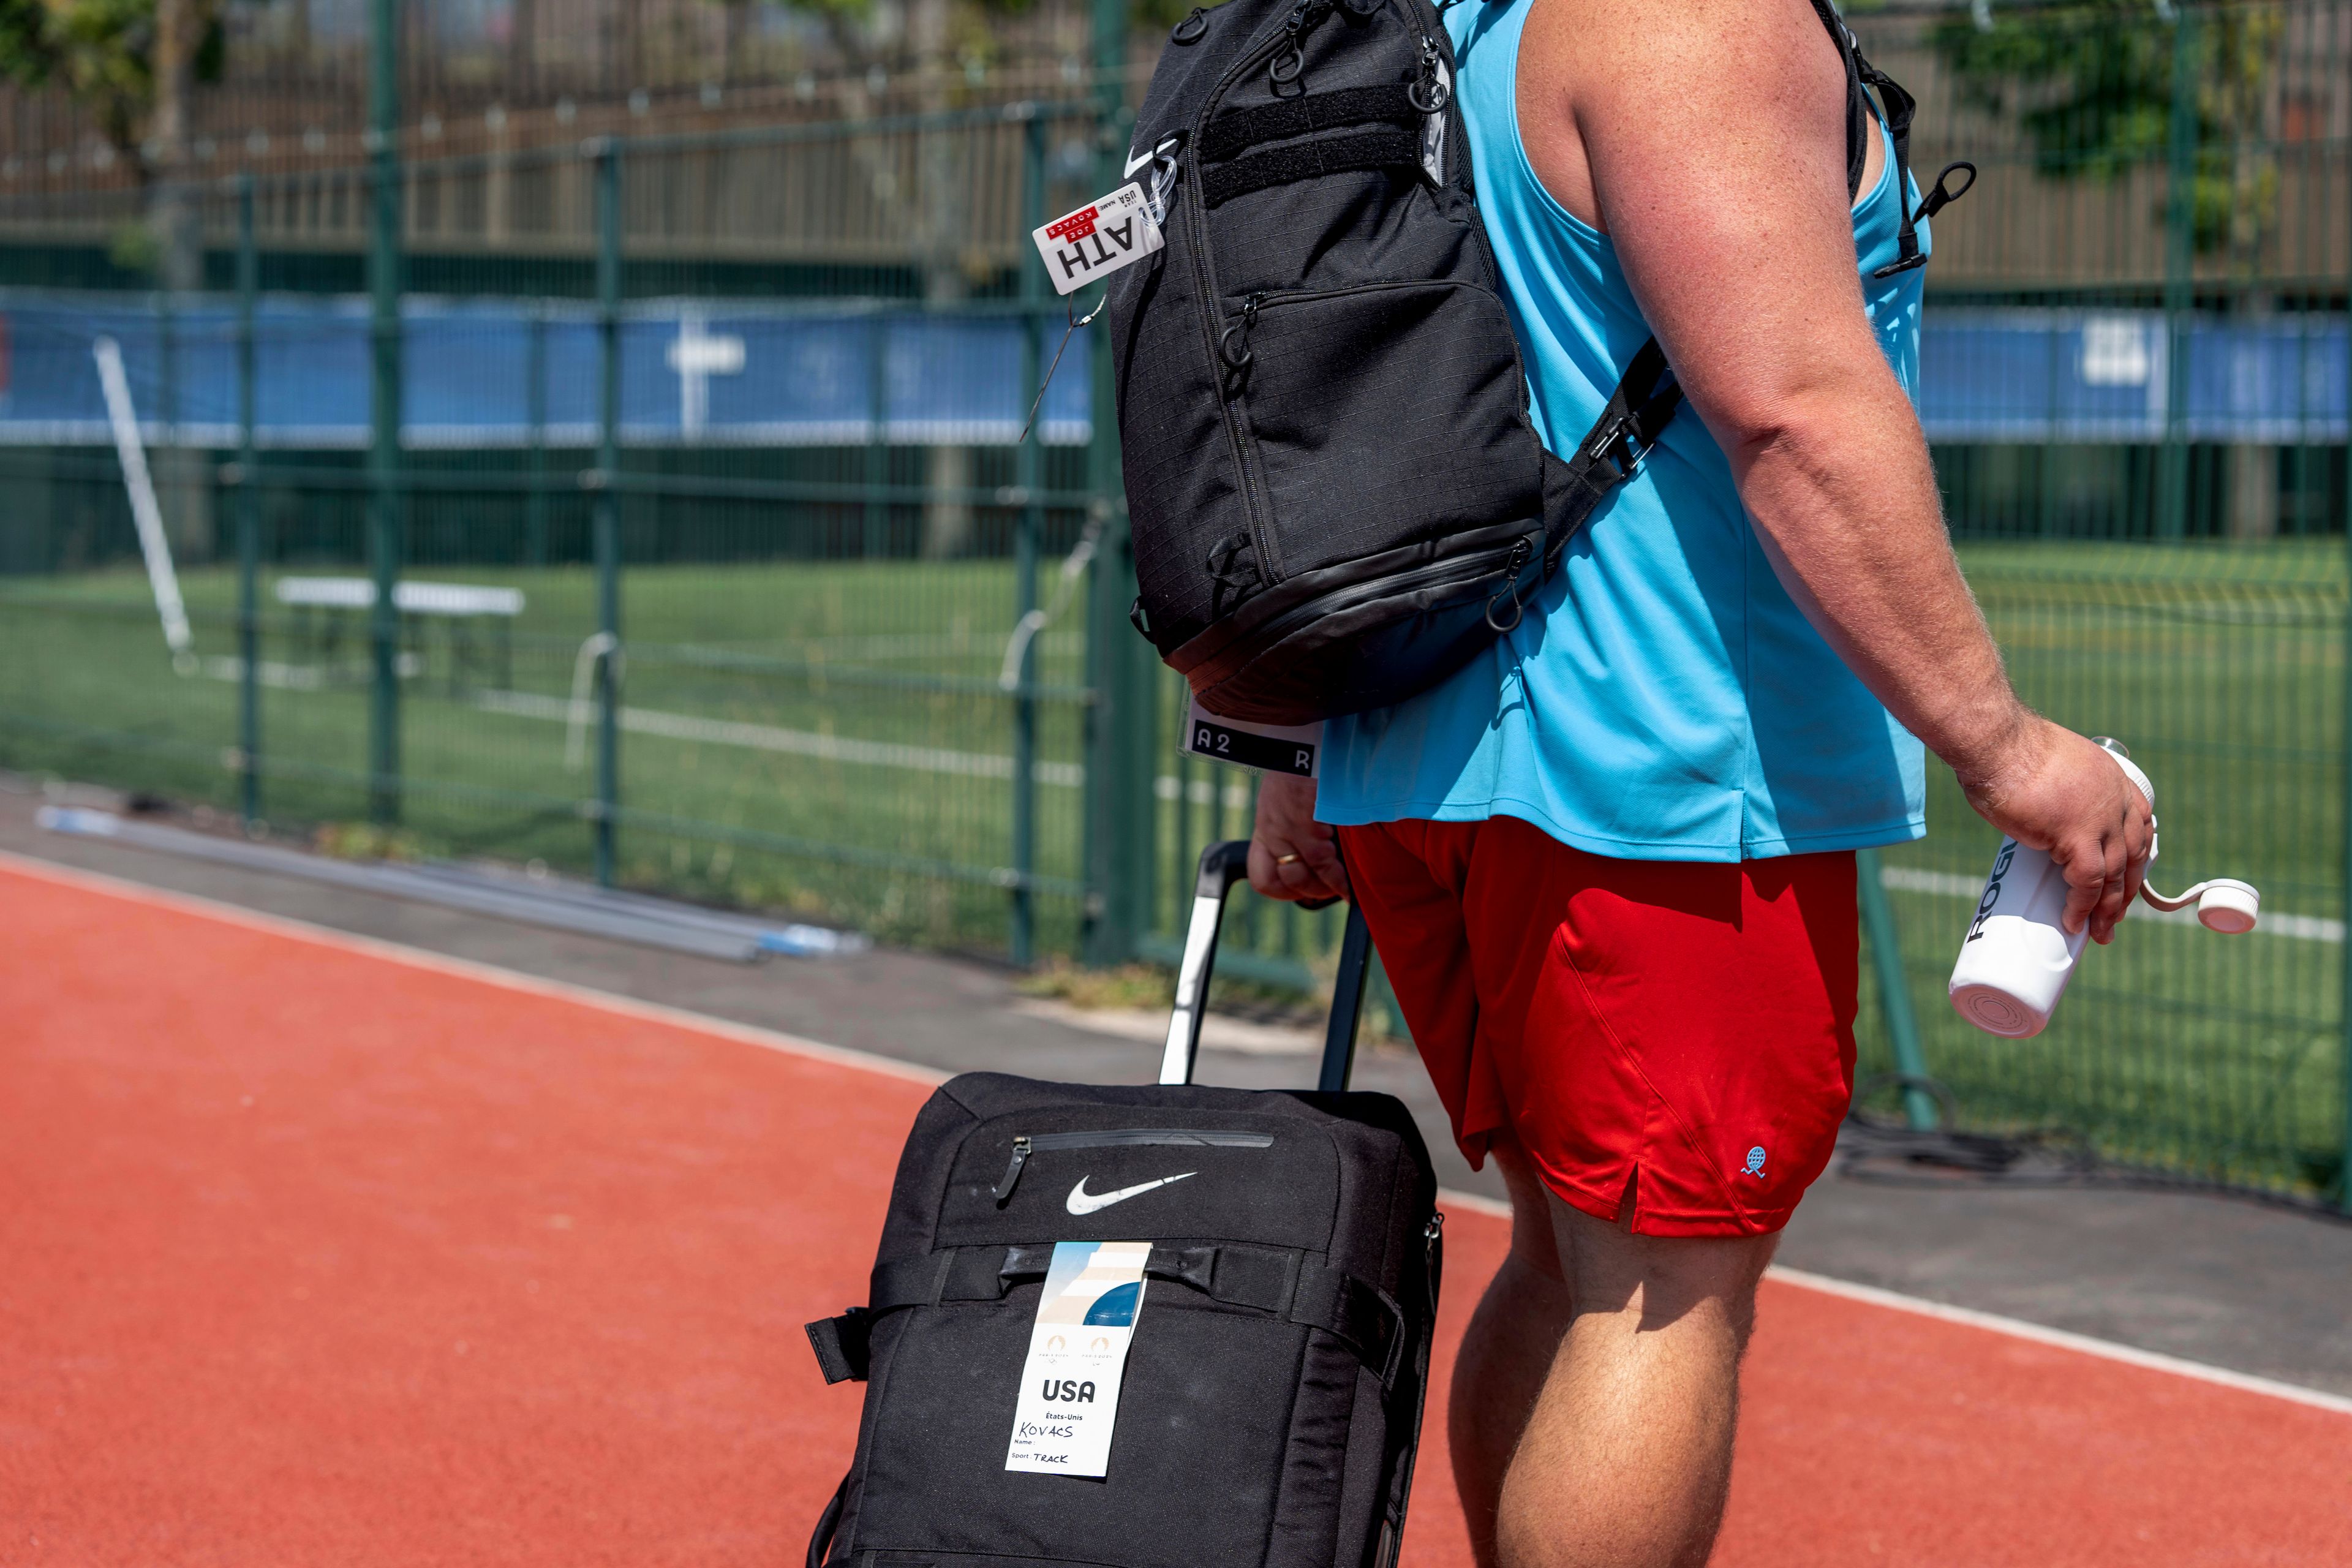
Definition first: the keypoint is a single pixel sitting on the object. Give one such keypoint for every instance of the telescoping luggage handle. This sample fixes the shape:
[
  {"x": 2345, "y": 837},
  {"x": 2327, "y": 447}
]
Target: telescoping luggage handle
[{"x": 1222, "y": 864}]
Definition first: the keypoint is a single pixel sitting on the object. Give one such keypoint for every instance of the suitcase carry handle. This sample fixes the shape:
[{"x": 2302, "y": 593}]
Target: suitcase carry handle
[{"x": 1222, "y": 864}]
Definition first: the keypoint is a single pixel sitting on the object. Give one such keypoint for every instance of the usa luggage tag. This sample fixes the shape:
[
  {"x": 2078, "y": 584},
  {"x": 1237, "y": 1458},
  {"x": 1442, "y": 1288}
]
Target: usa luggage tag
[
  {"x": 1097, "y": 240},
  {"x": 1293, "y": 749},
  {"x": 1068, "y": 1406}
]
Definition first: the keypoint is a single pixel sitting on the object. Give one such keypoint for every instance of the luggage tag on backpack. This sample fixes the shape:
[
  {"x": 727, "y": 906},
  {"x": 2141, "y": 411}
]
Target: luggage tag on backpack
[
  {"x": 1097, "y": 240},
  {"x": 1293, "y": 749},
  {"x": 1077, "y": 1354}
]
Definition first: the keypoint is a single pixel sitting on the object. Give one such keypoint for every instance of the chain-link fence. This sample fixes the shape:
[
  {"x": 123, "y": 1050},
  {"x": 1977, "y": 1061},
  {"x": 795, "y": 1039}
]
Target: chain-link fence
[
  {"x": 800, "y": 487},
  {"x": 729, "y": 559},
  {"x": 2137, "y": 368}
]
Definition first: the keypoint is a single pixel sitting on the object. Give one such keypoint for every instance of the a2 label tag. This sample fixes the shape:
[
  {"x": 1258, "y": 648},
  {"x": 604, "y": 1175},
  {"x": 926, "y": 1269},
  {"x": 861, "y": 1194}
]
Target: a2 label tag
[
  {"x": 1293, "y": 749},
  {"x": 1097, "y": 240}
]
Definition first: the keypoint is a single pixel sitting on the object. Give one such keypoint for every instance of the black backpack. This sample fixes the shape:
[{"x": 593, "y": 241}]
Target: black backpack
[
  {"x": 1337, "y": 496},
  {"x": 1272, "y": 1393}
]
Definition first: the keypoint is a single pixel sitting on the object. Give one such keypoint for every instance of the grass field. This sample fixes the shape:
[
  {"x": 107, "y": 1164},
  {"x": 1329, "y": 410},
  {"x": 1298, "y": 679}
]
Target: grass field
[
  {"x": 2223, "y": 670},
  {"x": 845, "y": 710},
  {"x": 828, "y": 737}
]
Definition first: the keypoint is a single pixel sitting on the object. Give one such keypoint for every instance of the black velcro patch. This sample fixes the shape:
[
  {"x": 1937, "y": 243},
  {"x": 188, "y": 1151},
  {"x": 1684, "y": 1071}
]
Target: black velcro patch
[{"x": 1387, "y": 147}]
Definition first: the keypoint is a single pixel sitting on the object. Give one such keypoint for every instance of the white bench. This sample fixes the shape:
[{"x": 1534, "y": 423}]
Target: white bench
[
  {"x": 408, "y": 598},
  {"x": 450, "y": 601}
]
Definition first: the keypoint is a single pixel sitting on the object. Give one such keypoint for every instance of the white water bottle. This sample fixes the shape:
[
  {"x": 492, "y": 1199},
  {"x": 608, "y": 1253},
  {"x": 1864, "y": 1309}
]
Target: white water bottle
[{"x": 2018, "y": 957}]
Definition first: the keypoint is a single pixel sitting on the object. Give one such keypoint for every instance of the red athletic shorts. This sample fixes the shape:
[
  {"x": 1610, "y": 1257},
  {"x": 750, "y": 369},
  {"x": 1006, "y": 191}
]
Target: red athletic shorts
[{"x": 1680, "y": 1030}]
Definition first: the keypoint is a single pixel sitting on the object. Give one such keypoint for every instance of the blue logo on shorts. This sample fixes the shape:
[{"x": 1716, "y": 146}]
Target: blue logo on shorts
[{"x": 1756, "y": 1161}]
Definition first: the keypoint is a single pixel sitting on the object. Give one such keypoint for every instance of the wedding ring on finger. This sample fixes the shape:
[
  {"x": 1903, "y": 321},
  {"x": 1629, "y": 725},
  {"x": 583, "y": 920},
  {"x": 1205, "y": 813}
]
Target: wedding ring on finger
[{"x": 1290, "y": 860}]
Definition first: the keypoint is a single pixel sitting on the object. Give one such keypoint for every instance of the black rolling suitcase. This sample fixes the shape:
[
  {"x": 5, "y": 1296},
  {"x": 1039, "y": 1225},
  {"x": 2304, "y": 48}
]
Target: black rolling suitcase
[{"x": 1288, "y": 1248}]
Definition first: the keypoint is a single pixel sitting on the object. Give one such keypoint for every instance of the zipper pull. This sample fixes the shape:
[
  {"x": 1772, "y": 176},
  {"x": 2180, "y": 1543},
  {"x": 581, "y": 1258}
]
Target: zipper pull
[
  {"x": 1432, "y": 1237},
  {"x": 1520, "y": 550},
  {"x": 1428, "y": 93},
  {"x": 1003, "y": 1192},
  {"x": 1233, "y": 347},
  {"x": 1291, "y": 59}
]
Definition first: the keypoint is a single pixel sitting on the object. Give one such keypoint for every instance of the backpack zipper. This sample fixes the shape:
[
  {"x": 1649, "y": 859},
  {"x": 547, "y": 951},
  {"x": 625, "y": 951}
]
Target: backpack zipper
[
  {"x": 1025, "y": 1144},
  {"x": 1260, "y": 301},
  {"x": 1452, "y": 572},
  {"x": 1427, "y": 93},
  {"x": 1211, "y": 320},
  {"x": 1214, "y": 322},
  {"x": 1303, "y": 16},
  {"x": 1233, "y": 347}
]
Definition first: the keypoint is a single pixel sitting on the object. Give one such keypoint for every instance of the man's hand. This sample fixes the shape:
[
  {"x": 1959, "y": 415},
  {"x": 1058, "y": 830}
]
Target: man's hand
[
  {"x": 1291, "y": 855},
  {"x": 2050, "y": 788}
]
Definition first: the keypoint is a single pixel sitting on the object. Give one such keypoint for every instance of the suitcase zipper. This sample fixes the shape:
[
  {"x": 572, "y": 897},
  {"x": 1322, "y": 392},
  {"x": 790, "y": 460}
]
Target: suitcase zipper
[{"x": 1025, "y": 1144}]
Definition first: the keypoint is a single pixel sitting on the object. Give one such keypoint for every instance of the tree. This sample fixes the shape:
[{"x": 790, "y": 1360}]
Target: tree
[
  {"x": 2091, "y": 85},
  {"x": 134, "y": 64}
]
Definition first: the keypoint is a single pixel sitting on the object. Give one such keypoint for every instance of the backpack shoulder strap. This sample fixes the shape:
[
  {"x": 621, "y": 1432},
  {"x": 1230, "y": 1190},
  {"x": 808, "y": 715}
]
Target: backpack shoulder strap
[
  {"x": 1857, "y": 106},
  {"x": 1897, "y": 108}
]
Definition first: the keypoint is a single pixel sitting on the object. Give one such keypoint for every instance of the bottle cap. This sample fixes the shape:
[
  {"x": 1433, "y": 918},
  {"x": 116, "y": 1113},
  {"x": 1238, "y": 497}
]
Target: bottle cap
[
  {"x": 2115, "y": 749},
  {"x": 2229, "y": 906}
]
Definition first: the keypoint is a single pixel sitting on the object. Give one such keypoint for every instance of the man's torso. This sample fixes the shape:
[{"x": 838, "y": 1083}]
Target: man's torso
[{"x": 1663, "y": 697}]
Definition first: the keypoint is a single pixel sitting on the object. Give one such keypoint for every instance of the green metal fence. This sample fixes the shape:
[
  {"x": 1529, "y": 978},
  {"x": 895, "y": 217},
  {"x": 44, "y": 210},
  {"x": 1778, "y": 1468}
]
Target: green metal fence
[
  {"x": 2163, "y": 179},
  {"x": 795, "y": 673},
  {"x": 814, "y": 705}
]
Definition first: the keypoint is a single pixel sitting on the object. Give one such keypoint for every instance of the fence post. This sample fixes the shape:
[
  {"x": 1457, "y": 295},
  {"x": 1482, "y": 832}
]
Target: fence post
[
  {"x": 875, "y": 537},
  {"x": 178, "y": 522},
  {"x": 608, "y": 503},
  {"x": 248, "y": 516},
  {"x": 1030, "y": 476},
  {"x": 534, "y": 523},
  {"x": 1121, "y": 739},
  {"x": 384, "y": 443},
  {"x": 1893, "y": 991},
  {"x": 2344, "y": 757},
  {"x": 2179, "y": 275}
]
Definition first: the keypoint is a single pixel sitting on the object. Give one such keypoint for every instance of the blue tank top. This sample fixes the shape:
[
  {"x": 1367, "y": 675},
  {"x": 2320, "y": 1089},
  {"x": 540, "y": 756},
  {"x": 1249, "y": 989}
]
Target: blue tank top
[{"x": 1663, "y": 699}]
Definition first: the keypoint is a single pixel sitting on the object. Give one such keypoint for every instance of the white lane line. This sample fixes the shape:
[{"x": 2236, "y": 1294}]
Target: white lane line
[
  {"x": 1994, "y": 1323},
  {"x": 464, "y": 968},
  {"x": 2108, "y": 1350},
  {"x": 814, "y": 1050}
]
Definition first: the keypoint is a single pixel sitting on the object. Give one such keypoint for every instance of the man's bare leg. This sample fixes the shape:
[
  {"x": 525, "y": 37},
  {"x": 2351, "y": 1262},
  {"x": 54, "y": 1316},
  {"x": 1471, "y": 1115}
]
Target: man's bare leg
[
  {"x": 1507, "y": 1352},
  {"x": 1593, "y": 1403}
]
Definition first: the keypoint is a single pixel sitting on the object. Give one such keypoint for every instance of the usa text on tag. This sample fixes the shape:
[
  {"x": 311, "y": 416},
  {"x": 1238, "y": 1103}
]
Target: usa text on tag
[
  {"x": 1097, "y": 240},
  {"x": 1068, "y": 1407}
]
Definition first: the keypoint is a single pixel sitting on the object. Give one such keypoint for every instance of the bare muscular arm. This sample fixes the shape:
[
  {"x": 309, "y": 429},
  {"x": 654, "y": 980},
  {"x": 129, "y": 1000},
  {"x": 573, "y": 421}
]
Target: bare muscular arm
[{"x": 1707, "y": 138}]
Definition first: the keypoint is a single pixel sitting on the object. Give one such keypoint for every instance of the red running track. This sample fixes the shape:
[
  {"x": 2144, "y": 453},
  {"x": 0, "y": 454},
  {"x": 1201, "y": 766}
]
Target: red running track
[{"x": 313, "y": 1252}]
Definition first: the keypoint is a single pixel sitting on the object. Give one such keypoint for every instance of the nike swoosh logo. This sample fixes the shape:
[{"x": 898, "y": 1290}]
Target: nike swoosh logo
[
  {"x": 1135, "y": 163},
  {"x": 1084, "y": 1202}
]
